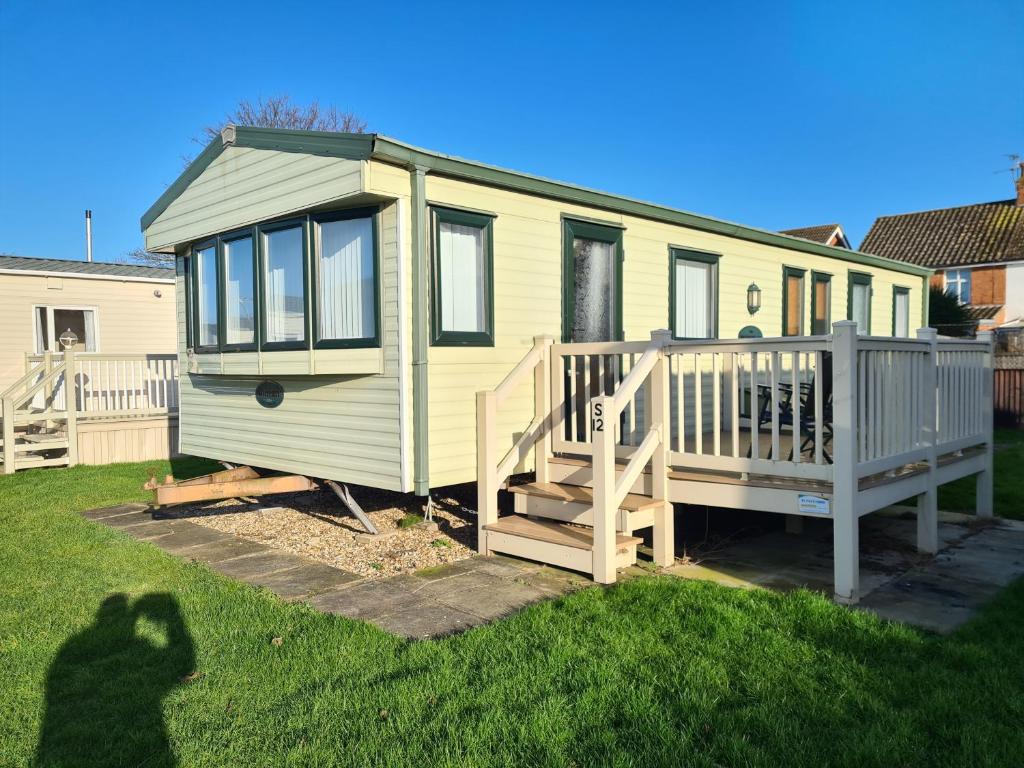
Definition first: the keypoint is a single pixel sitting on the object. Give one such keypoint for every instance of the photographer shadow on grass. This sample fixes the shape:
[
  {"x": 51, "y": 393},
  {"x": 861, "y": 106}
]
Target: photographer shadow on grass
[{"x": 106, "y": 685}]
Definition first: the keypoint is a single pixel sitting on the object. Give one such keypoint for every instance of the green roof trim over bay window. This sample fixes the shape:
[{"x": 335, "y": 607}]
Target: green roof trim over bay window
[{"x": 374, "y": 146}]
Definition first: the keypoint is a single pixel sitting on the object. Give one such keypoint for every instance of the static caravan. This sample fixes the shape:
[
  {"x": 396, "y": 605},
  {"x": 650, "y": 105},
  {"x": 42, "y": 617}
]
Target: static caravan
[{"x": 344, "y": 300}]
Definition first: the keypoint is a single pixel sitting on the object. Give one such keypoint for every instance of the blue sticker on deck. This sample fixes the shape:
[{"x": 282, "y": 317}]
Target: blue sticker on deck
[{"x": 813, "y": 505}]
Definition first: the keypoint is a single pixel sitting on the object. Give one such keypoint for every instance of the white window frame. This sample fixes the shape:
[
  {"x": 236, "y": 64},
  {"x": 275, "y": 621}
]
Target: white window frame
[
  {"x": 38, "y": 345},
  {"x": 958, "y": 283}
]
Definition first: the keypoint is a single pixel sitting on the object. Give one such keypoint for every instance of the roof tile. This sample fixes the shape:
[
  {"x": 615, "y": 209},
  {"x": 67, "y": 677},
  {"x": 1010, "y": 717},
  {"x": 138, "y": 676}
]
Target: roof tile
[{"x": 971, "y": 234}]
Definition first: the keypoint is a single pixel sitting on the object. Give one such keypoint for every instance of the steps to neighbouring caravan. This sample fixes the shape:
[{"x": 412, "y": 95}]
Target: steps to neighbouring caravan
[
  {"x": 575, "y": 504},
  {"x": 559, "y": 544}
]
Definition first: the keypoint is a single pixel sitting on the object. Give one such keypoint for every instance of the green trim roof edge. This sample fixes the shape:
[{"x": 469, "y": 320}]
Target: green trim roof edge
[{"x": 356, "y": 146}]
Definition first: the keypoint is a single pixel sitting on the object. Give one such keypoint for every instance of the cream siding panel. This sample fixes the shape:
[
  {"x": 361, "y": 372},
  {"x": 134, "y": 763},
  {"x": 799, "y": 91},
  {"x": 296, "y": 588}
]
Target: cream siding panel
[
  {"x": 244, "y": 186},
  {"x": 130, "y": 318},
  {"x": 342, "y": 427},
  {"x": 527, "y": 302}
]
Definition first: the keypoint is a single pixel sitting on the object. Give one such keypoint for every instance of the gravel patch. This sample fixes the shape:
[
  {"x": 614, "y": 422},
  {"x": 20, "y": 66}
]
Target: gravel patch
[{"x": 318, "y": 526}]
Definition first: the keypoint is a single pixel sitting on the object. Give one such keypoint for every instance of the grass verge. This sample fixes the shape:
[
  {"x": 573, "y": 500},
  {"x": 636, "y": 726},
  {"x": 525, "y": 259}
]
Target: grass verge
[{"x": 115, "y": 653}]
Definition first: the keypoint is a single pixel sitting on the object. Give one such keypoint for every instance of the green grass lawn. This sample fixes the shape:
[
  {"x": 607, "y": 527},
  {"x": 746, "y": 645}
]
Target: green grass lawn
[
  {"x": 1008, "y": 497},
  {"x": 113, "y": 652}
]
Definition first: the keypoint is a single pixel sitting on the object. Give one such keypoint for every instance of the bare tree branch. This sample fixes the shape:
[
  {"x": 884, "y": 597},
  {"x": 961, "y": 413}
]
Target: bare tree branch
[{"x": 282, "y": 112}]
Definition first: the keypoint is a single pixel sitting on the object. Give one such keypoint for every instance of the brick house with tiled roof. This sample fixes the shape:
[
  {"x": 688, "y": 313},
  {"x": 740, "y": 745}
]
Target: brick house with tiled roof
[
  {"x": 826, "y": 234},
  {"x": 977, "y": 252}
]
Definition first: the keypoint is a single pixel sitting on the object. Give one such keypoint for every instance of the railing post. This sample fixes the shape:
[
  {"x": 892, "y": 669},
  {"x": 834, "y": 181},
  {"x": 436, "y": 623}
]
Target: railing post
[
  {"x": 845, "y": 518},
  {"x": 8, "y": 433},
  {"x": 927, "y": 502},
  {"x": 49, "y": 394},
  {"x": 983, "y": 488},
  {"x": 664, "y": 529},
  {"x": 486, "y": 466},
  {"x": 603, "y": 430},
  {"x": 71, "y": 405},
  {"x": 542, "y": 407}
]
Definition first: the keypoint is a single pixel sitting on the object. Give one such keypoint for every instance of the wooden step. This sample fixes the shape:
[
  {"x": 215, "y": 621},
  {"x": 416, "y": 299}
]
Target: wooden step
[
  {"x": 557, "y": 544},
  {"x": 634, "y": 502}
]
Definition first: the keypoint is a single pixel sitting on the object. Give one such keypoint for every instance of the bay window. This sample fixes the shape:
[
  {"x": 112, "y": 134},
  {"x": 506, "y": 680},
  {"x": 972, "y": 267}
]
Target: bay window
[
  {"x": 283, "y": 248},
  {"x": 307, "y": 282},
  {"x": 345, "y": 276},
  {"x": 206, "y": 323},
  {"x": 239, "y": 293}
]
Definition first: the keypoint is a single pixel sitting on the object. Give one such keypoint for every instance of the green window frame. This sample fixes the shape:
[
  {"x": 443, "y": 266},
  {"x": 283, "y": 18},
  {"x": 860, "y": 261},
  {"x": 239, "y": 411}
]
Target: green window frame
[
  {"x": 824, "y": 326},
  {"x": 588, "y": 230},
  {"x": 263, "y": 230},
  {"x": 360, "y": 342},
  {"x": 186, "y": 294},
  {"x": 222, "y": 241},
  {"x": 676, "y": 255},
  {"x": 900, "y": 290},
  {"x": 787, "y": 273},
  {"x": 440, "y": 337},
  {"x": 197, "y": 339},
  {"x": 859, "y": 278}
]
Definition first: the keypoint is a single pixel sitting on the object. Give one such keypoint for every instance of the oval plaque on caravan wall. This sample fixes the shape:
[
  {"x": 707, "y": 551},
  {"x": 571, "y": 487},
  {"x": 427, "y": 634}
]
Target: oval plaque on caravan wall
[{"x": 269, "y": 393}]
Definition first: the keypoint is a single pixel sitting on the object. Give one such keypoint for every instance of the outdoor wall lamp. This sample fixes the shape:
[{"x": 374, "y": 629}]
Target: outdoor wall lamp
[
  {"x": 753, "y": 298},
  {"x": 68, "y": 339}
]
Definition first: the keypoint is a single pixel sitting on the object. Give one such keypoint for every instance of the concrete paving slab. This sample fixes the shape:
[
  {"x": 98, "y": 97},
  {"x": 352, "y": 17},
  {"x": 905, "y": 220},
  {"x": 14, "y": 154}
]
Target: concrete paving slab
[
  {"x": 252, "y": 568},
  {"x": 219, "y": 551},
  {"x": 106, "y": 512},
  {"x": 305, "y": 580},
  {"x": 553, "y": 581},
  {"x": 366, "y": 600},
  {"x": 427, "y": 620},
  {"x": 188, "y": 535},
  {"x": 484, "y": 595},
  {"x": 150, "y": 531},
  {"x": 998, "y": 568},
  {"x": 135, "y": 517},
  {"x": 934, "y": 615}
]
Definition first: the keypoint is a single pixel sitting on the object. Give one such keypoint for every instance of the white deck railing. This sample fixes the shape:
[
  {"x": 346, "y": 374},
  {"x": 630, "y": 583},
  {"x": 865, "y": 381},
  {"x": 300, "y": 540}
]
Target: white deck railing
[
  {"x": 764, "y": 406},
  {"x": 109, "y": 386},
  {"x": 853, "y": 422}
]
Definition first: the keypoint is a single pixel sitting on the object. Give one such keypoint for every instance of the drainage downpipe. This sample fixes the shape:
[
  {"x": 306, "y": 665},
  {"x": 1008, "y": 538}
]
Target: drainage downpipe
[{"x": 420, "y": 331}]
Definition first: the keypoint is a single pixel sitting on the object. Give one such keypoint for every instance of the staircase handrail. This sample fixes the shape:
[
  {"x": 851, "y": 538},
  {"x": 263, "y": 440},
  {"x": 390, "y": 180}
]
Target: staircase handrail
[{"x": 492, "y": 472}]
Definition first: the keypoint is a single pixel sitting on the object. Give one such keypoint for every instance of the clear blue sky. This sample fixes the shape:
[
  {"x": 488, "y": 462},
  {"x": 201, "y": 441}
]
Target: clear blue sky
[{"x": 776, "y": 115}]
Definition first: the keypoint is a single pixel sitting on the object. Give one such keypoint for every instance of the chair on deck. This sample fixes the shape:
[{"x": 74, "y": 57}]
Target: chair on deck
[{"x": 807, "y": 416}]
